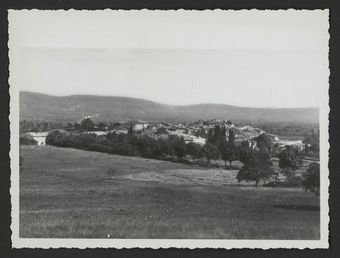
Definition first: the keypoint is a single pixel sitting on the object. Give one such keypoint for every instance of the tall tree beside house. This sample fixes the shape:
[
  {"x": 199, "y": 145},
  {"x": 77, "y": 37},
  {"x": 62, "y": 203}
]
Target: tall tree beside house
[
  {"x": 257, "y": 166},
  {"x": 217, "y": 135},
  {"x": 223, "y": 135},
  {"x": 231, "y": 136},
  {"x": 130, "y": 131},
  {"x": 210, "y": 136}
]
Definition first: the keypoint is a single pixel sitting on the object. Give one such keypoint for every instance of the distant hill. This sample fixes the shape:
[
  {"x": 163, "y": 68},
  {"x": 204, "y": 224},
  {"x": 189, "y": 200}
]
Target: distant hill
[{"x": 35, "y": 106}]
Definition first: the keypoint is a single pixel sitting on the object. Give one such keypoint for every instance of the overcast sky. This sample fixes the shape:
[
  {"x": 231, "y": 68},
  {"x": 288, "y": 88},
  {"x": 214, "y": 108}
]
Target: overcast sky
[{"x": 245, "y": 58}]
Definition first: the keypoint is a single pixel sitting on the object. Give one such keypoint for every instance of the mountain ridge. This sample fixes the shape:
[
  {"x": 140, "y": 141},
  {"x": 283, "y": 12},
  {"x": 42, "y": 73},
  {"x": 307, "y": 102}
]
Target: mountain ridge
[{"x": 38, "y": 106}]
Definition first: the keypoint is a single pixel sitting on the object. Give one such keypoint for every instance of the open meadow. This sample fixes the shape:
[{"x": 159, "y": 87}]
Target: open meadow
[{"x": 68, "y": 193}]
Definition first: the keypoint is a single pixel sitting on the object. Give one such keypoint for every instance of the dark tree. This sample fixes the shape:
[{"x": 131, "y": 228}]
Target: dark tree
[
  {"x": 201, "y": 133},
  {"x": 209, "y": 151},
  {"x": 223, "y": 135},
  {"x": 194, "y": 150},
  {"x": 289, "y": 161},
  {"x": 312, "y": 143},
  {"x": 162, "y": 130},
  {"x": 231, "y": 136},
  {"x": 130, "y": 131},
  {"x": 257, "y": 166},
  {"x": 102, "y": 126},
  {"x": 210, "y": 136},
  {"x": 311, "y": 178},
  {"x": 264, "y": 142},
  {"x": 229, "y": 153},
  {"x": 180, "y": 147},
  {"x": 290, "y": 158},
  {"x": 166, "y": 148},
  {"x": 148, "y": 147},
  {"x": 87, "y": 124},
  {"x": 26, "y": 139},
  {"x": 56, "y": 138},
  {"x": 77, "y": 126},
  {"x": 217, "y": 136}
]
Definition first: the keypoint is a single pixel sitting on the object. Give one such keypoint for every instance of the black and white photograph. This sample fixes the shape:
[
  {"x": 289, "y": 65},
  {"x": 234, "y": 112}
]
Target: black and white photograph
[{"x": 169, "y": 128}]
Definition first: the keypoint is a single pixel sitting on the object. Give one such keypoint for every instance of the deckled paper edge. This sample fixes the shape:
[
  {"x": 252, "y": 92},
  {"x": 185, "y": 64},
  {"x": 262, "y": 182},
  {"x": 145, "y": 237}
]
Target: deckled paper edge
[{"x": 17, "y": 242}]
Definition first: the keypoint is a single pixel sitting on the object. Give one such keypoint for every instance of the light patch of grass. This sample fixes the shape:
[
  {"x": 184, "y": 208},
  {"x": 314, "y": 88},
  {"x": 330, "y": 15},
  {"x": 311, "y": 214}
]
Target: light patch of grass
[{"x": 74, "y": 193}]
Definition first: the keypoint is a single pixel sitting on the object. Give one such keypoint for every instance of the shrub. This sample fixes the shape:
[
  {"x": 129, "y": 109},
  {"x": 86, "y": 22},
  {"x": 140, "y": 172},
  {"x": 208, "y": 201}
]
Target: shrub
[
  {"x": 257, "y": 166},
  {"x": 57, "y": 138},
  {"x": 26, "y": 139},
  {"x": 229, "y": 153},
  {"x": 194, "y": 150},
  {"x": 311, "y": 178},
  {"x": 209, "y": 151},
  {"x": 290, "y": 158}
]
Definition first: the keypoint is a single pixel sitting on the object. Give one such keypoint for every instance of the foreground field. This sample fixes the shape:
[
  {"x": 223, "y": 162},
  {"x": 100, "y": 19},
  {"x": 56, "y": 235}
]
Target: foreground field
[{"x": 74, "y": 193}]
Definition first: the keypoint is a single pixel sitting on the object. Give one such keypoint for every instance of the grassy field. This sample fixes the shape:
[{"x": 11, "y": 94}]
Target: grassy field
[{"x": 80, "y": 194}]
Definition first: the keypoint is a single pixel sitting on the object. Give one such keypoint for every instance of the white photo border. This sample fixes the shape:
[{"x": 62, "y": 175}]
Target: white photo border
[{"x": 14, "y": 80}]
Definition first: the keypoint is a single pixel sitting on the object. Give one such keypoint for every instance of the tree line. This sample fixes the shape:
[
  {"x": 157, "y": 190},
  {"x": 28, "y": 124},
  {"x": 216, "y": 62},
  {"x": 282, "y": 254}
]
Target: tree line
[{"x": 257, "y": 162}]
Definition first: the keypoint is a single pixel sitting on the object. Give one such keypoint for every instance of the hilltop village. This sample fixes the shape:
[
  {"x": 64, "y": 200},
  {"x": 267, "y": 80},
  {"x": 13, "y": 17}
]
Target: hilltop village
[{"x": 195, "y": 132}]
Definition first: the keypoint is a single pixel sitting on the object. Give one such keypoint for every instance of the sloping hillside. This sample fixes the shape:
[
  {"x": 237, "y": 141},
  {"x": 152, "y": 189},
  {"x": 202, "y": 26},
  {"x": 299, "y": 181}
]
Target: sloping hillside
[{"x": 35, "y": 106}]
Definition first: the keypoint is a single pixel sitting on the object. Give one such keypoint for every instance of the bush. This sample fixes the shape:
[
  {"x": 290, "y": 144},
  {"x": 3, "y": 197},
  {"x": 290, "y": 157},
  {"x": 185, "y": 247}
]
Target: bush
[
  {"x": 287, "y": 179},
  {"x": 210, "y": 152},
  {"x": 294, "y": 181},
  {"x": 26, "y": 139},
  {"x": 229, "y": 153},
  {"x": 257, "y": 166},
  {"x": 311, "y": 178},
  {"x": 173, "y": 148},
  {"x": 290, "y": 158},
  {"x": 194, "y": 150},
  {"x": 58, "y": 138}
]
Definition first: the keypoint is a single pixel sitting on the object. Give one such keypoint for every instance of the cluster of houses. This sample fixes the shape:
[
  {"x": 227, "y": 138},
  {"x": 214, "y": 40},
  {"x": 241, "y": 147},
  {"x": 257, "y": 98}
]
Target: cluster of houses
[
  {"x": 39, "y": 137},
  {"x": 191, "y": 132}
]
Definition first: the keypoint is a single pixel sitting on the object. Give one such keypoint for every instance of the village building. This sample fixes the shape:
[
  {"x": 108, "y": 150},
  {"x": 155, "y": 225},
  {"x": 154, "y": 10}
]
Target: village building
[
  {"x": 191, "y": 138},
  {"x": 139, "y": 126},
  {"x": 39, "y": 137},
  {"x": 98, "y": 133},
  {"x": 296, "y": 144},
  {"x": 121, "y": 130}
]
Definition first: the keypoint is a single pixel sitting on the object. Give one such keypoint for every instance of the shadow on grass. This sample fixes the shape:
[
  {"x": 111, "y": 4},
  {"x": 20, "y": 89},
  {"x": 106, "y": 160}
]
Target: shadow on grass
[{"x": 298, "y": 207}]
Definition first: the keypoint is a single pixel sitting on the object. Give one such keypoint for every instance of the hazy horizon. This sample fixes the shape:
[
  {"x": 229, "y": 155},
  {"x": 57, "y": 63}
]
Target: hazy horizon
[
  {"x": 272, "y": 59},
  {"x": 203, "y": 103}
]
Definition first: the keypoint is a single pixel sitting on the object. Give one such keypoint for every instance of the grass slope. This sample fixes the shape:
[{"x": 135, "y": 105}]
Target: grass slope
[
  {"x": 79, "y": 194},
  {"x": 34, "y": 106}
]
